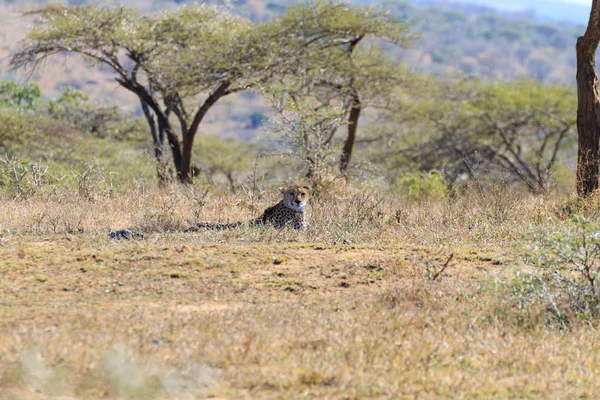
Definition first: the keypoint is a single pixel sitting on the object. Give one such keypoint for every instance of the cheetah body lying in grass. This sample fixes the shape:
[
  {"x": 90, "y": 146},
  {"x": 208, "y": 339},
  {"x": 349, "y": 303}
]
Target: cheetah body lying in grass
[
  {"x": 290, "y": 211},
  {"x": 126, "y": 234}
]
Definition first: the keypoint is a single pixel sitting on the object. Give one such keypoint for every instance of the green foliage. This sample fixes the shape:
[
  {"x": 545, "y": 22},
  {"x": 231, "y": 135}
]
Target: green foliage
[
  {"x": 69, "y": 98},
  {"x": 209, "y": 44},
  {"x": 40, "y": 153},
  {"x": 576, "y": 247},
  {"x": 336, "y": 47},
  {"x": 572, "y": 289},
  {"x": 337, "y": 69},
  {"x": 330, "y": 56},
  {"x": 23, "y": 179},
  {"x": 309, "y": 132},
  {"x": 13, "y": 126},
  {"x": 552, "y": 299},
  {"x": 468, "y": 127},
  {"x": 325, "y": 21},
  {"x": 22, "y": 97},
  {"x": 217, "y": 54},
  {"x": 74, "y": 107},
  {"x": 422, "y": 185},
  {"x": 226, "y": 158}
]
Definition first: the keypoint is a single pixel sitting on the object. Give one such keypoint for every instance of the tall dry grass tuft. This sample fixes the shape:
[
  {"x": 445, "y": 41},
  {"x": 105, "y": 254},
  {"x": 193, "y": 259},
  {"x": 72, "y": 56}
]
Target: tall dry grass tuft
[{"x": 344, "y": 214}]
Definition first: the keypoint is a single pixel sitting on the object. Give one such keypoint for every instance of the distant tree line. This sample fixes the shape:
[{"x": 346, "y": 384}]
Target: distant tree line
[{"x": 321, "y": 67}]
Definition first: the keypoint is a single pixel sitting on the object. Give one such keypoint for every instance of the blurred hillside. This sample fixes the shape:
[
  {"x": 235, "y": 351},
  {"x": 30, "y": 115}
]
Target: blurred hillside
[
  {"x": 577, "y": 11},
  {"x": 453, "y": 38},
  {"x": 486, "y": 43}
]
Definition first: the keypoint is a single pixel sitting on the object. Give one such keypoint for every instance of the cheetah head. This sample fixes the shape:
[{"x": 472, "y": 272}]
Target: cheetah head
[{"x": 295, "y": 197}]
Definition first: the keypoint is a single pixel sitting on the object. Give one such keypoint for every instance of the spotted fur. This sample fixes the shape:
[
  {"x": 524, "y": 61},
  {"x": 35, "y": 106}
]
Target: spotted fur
[{"x": 290, "y": 211}]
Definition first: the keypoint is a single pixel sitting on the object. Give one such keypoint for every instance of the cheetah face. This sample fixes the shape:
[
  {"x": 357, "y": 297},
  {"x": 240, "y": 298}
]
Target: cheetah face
[{"x": 295, "y": 197}]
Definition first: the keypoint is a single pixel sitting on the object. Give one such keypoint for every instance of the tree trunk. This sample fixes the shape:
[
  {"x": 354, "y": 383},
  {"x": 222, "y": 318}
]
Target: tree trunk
[
  {"x": 588, "y": 106},
  {"x": 184, "y": 172},
  {"x": 351, "y": 138},
  {"x": 164, "y": 126},
  {"x": 157, "y": 141}
]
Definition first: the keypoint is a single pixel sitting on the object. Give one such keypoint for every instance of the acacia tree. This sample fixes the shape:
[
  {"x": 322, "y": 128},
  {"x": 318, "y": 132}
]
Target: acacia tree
[
  {"x": 336, "y": 58},
  {"x": 308, "y": 126},
  {"x": 472, "y": 129},
  {"x": 178, "y": 64},
  {"x": 588, "y": 106}
]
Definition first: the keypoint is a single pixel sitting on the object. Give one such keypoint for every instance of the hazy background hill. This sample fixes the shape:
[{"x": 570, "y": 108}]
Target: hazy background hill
[
  {"x": 488, "y": 43},
  {"x": 516, "y": 39},
  {"x": 577, "y": 11}
]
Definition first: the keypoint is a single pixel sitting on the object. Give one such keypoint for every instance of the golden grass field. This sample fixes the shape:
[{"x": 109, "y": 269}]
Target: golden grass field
[{"x": 343, "y": 311}]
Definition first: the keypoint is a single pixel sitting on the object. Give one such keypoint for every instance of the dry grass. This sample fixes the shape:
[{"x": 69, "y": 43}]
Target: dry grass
[
  {"x": 355, "y": 215},
  {"x": 256, "y": 313}
]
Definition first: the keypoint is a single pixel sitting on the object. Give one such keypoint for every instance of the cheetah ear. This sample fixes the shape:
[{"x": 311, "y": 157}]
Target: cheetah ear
[
  {"x": 282, "y": 190},
  {"x": 306, "y": 187}
]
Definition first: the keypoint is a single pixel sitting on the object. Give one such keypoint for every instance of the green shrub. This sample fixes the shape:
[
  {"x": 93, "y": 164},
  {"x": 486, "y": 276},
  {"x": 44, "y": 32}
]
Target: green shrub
[
  {"x": 564, "y": 283},
  {"x": 227, "y": 158},
  {"x": 577, "y": 247},
  {"x": 22, "y": 97},
  {"x": 23, "y": 179},
  {"x": 421, "y": 185},
  {"x": 75, "y": 107},
  {"x": 552, "y": 298},
  {"x": 13, "y": 126}
]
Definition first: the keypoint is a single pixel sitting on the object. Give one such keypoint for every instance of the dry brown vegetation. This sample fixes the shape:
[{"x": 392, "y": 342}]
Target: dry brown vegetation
[
  {"x": 344, "y": 310},
  {"x": 383, "y": 297}
]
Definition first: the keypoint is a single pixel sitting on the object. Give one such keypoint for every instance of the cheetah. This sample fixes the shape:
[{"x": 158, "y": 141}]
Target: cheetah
[{"x": 290, "y": 211}]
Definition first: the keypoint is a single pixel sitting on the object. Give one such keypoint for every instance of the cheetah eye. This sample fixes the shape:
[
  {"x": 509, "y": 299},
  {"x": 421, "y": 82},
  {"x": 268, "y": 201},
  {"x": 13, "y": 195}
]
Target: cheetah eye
[{"x": 302, "y": 195}]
